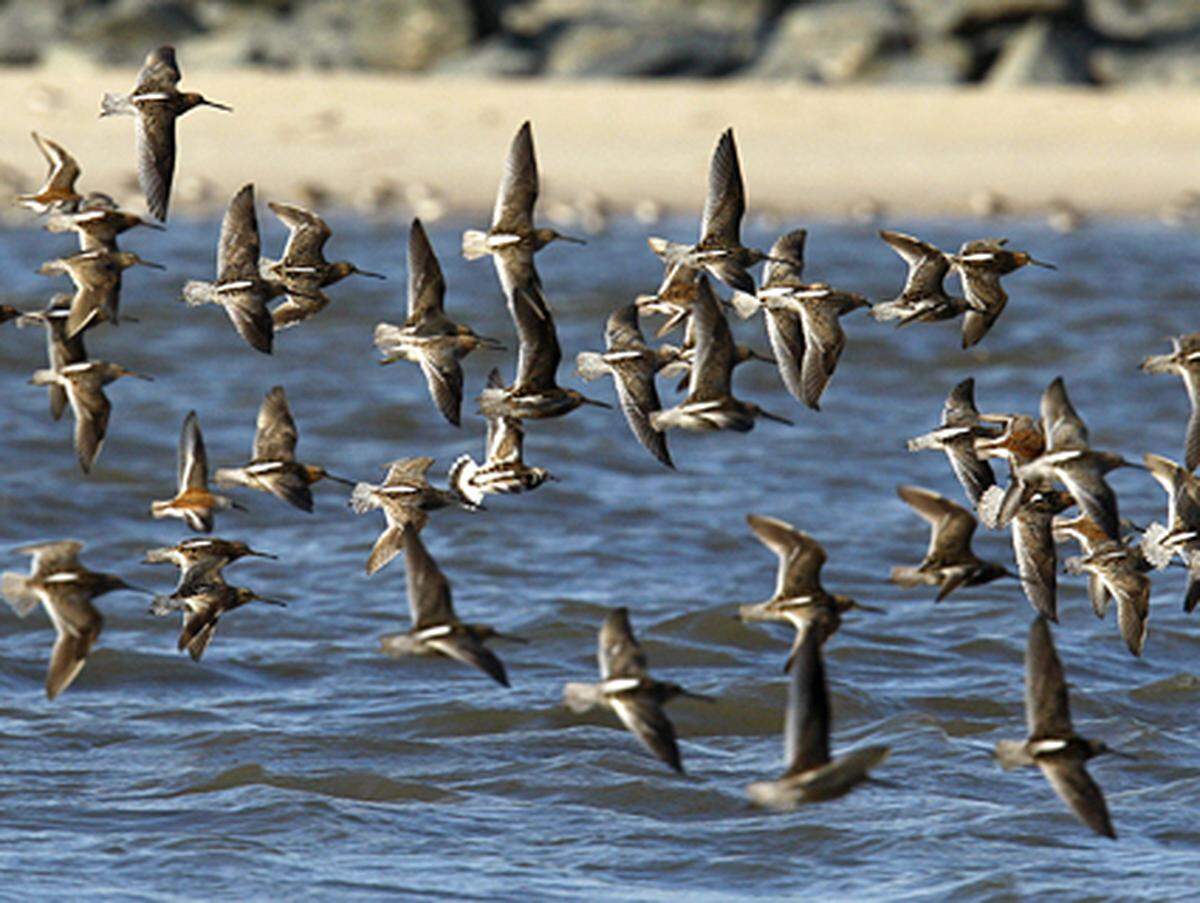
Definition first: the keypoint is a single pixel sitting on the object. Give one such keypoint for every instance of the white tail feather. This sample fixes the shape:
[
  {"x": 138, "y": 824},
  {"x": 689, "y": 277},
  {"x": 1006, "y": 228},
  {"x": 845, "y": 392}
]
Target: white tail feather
[
  {"x": 362, "y": 499},
  {"x": 590, "y": 365},
  {"x": 196, "y": 292},
  {"x": 15, "y": 589},
  {"x": 474, "y": 244},
  {"x": 461, "y": 472}
]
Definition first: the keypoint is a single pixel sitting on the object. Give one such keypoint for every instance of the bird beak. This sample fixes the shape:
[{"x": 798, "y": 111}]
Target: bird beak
[
  {"x": 237, "y": 506},
  {"x": 270, "y": 601},
  {"x": 144, "y": 376},
  {"x": 572, "y": 239},
  {"x": 263, "y": 555},
  {"x": 592, "y": 401},
  {"x": 369, "y": 273},
  {"x": 700, "y": 696},
  {"x": 1120, "y": 754},
  {"x": 220, "y": 106},
  {"x": 338, "y": 479},
  {"x": 157, "y": 227},
  {"x": 490, "y": 343},
  {"x": 1043, "y": 264},
  {"x": 153, "y": 266},
  {"x": 774, "y": 417},
  {"x": 874, "y": 609}
]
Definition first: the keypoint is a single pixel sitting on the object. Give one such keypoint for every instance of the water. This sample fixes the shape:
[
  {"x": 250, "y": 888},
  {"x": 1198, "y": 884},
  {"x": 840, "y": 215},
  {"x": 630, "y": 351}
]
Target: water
[{"x": 296, "y": 760}]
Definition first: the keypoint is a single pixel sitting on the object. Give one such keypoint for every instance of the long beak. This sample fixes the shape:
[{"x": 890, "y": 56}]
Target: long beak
[
  {"x": 874, "y": 609},
  {"x": 592, "y": 401},
  {"x": 1121, "y": 754},
  {"x": 774, "y": 417},
  {"x": 220, "y": 106},
  {"x": 572, "y": 239},
  {"x": 271, "y": 601},
  {"x": 369, "y": 273},
  {"x": 341, "y": 480},
  {"x": 263, "y": 555},
  {"x": 153, "y": 266},
  {"x": 549, "y": 476},
  {"x": 491, "y": 344},
  {"x": 1043, "y": 264},
  {"x": 157, "y": 227},
  {"x": 144, "y": 376},
  {"x": 237, "y": 506}
]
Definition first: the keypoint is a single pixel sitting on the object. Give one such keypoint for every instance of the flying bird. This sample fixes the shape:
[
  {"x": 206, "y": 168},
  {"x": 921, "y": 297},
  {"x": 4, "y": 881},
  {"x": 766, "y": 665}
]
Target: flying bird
[{"x": 193, "y": 502}]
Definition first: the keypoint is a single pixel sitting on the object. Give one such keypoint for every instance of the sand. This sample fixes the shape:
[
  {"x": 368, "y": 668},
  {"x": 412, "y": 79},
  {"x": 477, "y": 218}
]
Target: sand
[{"x": 346, "y": 139}]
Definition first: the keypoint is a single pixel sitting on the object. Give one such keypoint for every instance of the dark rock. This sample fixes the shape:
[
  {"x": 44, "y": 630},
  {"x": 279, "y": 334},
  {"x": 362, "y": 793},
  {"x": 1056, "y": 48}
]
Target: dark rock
[
  {"x": 830, "y": 42},
  {"x": 1042, "y": 52},
  {"x": 1170, "y": 65},
  {"x": 536, "y": 17},
  {"x": 1136, "y": 20},
  {"x": 26, "y": 27},
  {"x": 502, "y": 55},
  {"x": 592, "y": 50},
  {"x": 120, "y": 33},
  {"x": 938, "y": 61},
  {"x": 946, "y": 16}
]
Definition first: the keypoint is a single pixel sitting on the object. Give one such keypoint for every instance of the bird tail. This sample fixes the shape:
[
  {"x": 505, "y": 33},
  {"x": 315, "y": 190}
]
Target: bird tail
[
  {"x": 115, "y": 105},
  {"x": 459, "y": 477},
  {"x": 362, "y": 499},
  {"x": 196, "y": 293},
  {"x": 590, "y": 365},
  {"x": 926, "y": 441},
  {"x": 907, "y": 576},
  {"x": 389, "y": 341},
  {"x": 745, "y": 305},
  {"x": 16, "y": 591},
  {"x": 474, "y": 244},
  {"x": 579, "y": 697}
]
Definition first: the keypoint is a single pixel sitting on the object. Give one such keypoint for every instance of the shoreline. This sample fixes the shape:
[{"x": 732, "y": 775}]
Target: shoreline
[{"x": 364, "y": 142}]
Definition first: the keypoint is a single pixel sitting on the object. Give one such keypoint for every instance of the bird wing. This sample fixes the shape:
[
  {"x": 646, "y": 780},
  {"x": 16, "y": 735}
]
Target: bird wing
[
  {"x": 155, "y": 139},
  {"x": 505, "y": 440},
  {"x": 192, "y": 459},
  {"x": 974, "y": 473},
  {"x": 239, "y": 247},
  {"x": 800, "y": 556},
  {"x": 953, "y": 526},
  {"x": 806, "y": 724},
  {"x": 645, "y": 718},
  {"x": 823, "y": 344},
  {"x": 1191, "y": 381},
  {"x": 726, "y": 200},
  {"x": 51, "y": 557},
  {"x": 712, "y": 367},
  {"x": 1063, "y": 426},
  {"x": 444, "y": 377},
  {"x": 307, "y": 235},
  {"x": 1037, "y": 560},
  {"x": 518, "y": 192},
  {"x": 1047, "y": 710},
  {"x": 407, "y": 470},
  {"x": 274, "y": 431},
  {"x": 786, "y": 334},
  {"x": 1075, "y": 787},
  {"x": 464, "y": 646},
  {"x": 250, "y": 317},
  {"x": 622, "y": 331},
  {"x": 159, "y": 72},
  {"x": 618, "y": 651},
  {"x": 959, "y": 409},
  {"x": 786, "y": 259},
  {"x": 539, "y": 354},
  {"x": 1094, "y": 496},
  {"x": 429, "y": 598},
  {"x": 927, "y": 264},
  {"x": 1132, "y": 592},
  {"x": 639, "y": 398},
  {"x": 77, "y": 624},
  {"x": 426, "y": 284},
  {"x": 92, "y": 409}
]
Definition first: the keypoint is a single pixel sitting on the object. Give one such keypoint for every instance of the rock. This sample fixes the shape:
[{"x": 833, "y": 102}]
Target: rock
[
  {"x": 830, "y": 42},
  {"x": 938, "y": 61},
  {"x": 645, "y": 49},
  {"x": 120, "y": 33},
  {"x": 944, "y": 16},
  {"x": 27, "y": 26},
  {"x": 503, "y": 55},
  {"x": 536, "y": 17},
  {"x": 1137, "y": 20},
  {"x": 1041, "y": 52},
  {"x": 1176, "y": 65}
]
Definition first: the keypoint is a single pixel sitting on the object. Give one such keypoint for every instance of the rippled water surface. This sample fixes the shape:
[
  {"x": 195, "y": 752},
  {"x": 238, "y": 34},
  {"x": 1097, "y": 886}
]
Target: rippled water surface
[{"x": 297, "y": 760}]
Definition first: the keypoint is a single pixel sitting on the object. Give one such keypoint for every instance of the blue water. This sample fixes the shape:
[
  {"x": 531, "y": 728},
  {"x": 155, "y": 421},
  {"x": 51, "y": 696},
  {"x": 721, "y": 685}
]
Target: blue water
[{"x": 298, "y": 761}]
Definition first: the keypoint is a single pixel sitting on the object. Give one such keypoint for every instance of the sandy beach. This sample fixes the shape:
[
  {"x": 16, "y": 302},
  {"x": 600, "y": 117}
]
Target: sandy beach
[{"x": 350, "y": 139}]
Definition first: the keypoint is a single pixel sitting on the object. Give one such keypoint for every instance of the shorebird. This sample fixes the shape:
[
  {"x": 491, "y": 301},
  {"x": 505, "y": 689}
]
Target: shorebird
[
  {"x": 1019, "y": 442},
  {"x": 239, "y": 287},
  {"x": 193, "y": 502},
  {"x": 535, "y": 393},
  {"x": 203, "y": 604},
  {"x": 273, "y": 467},
  {"x": 436, "y": 629},
  {"x": 66, "y": 589},
  {"x": 673, "y": 299},
  {"x": 632, "y": 365},
  {"x": 512, "y": 239},
  {"x": 1034, "y": 549},
  {"x": 628, "y": 690},
  {"x": 404, "y": 496},
  {"x": 799, "y": 598},
  {"x": 1181, "y": 535},
  {"x": 1184, "y": 361},
  {"x": 157, "y": 102},
  {"x": 57, "y": 191},
  {"x": 503, "y": 469},
  {"x": 97, "y": 227},
  {"x": 1052, "y": 744},
  {"x": 303, "y": 271},
  {"x": 949, "y": 563},
  {"x": 97, "y": 279},
  {"x": 979, "y": 265},
  {"x": 202, "y": 560},
  {"x": 812, "y": 776},
  {"x": 429, "y": 337},
  {"x": 924, "y": 298},
  {"x": 710, "y": 404},
  {"x": 1114, "y": 571},
  {"x": 84, "y": 384},
  {"x": 61, "y": 350},
  {"x": 956, "y": 436},
  {"x": 720, "y": 250},
  {"x": 1069, "y": 459},
  {"x": 782, "y": 274}
]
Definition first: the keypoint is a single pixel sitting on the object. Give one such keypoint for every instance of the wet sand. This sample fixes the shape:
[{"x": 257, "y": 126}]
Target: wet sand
[{"x": 349, "y": 139}]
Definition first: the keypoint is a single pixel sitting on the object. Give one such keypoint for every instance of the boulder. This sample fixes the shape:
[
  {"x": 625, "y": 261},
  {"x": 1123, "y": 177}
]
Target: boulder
[
  {"x": 830, "y": 42},
  {"x": 26, "y": 27},
  {"x": 1041, "y": 52},
  {"x": 1137, "y": 20},
  {"x": 1172, "y": 65},
  {"x": 502, "y": 55},
  {"x": 592, "y": 50},
  {"x": 937, "y": 61},
  {"x": 945, "y": 16}
]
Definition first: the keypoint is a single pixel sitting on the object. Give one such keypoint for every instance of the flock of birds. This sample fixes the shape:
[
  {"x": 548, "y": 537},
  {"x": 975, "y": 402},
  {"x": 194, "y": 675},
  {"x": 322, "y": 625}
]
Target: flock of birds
[{"x": 1052, "y": 467}]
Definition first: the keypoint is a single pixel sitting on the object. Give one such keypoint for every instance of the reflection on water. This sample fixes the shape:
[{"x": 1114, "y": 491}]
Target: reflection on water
[{"x": 297, "y": 758}]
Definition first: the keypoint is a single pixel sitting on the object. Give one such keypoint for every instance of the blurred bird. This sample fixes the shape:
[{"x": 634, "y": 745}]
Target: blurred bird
[
  {"x": 97, "y": 279},
  {"x": 61, "y": 350},
  {"x": 1184, "y": 361},
  {"x": 979, "y": 265},
  {"x": 203, "y": 604},
  {"x": 97, "y": 227},
  {"x": 1181, "y": 535},
  {"x": 193, "y": 502},
  {"x": 956, "y": 436},
  {"x": 924, "y": 298},
  {"x": 503, "y": 469},
  {"x": 57, "y": 191},
  {"x": 202, "y": 560}
]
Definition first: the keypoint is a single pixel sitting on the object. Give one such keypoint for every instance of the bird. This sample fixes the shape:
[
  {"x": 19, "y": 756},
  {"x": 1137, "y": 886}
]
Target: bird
[
  {"x": 534, "y": 393},
  {"x": 1052, "y": 744},
  {"x": 203, "y": 604},
  {"x": 8, "y": 312},
  {"x": 239, "y": 287},
  {"x": 812, "y": 775},
  {"x": 84, "y": 384},
  {"x": 273, "y": 467},
  {"x": 303, "y": 271},
  {"x": 956, "y": 435},
  {"x": 193, "y": 502},
  {"x": 512, "y": 239},
  {"x": 404, "y": 496},
  {"x": 799, "y": 598},
  {"x": 979, "y": 265},
  {"x": 429, "y": 337},
  {"x": 66, "y": 589},
  {"x": 97, "y": 279},
  {"x": 97, "y": 226},
  {"x": 57, "y": 191},
  {"x": 1181, "y": 535},
  {"x": 719, "y": 251},
  {"x": 710, "y": 404},
  {"x": 1184, "y": 361},
  {"x": 436, "y": 629},
  {"x": 924, "y": 298},
  {"x": 503, "y": 469},
  {"x": 949, "y": 563},
  {"x": 632, "y": 364},
  {"x": 1034, "y": 549},
  {"x": 1115, "y": 571},
  {"x": 61, "y": 350},
  {"x": 627, "y": 689},
  {"x": 156, "y": 102},
  {"x": 782, "y": 274},
  {"x": 673, "y": 298},
  {"x": 202, "y": 559}
]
